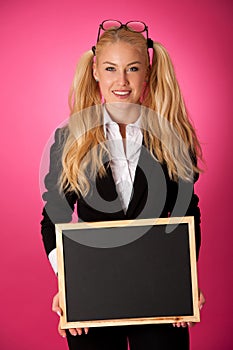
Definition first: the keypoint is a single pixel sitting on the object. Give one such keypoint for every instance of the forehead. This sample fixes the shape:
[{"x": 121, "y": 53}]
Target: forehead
[{"x": 120, "y": 52}]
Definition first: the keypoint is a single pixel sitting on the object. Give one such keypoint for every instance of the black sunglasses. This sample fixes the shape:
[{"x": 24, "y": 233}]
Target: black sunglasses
[{"x": 132, "y": 26}]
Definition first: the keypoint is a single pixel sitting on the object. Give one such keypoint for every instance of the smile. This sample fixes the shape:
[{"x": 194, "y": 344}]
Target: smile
[{"x": 121, "y": 92}]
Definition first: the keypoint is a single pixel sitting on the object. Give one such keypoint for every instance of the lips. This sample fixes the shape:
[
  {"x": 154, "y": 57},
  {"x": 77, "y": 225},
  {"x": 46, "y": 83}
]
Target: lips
[{"x": 121, "y": 93}]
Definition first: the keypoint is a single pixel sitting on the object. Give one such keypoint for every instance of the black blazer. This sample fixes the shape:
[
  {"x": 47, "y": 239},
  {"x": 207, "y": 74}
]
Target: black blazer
[{"x": 154, "y": 195}]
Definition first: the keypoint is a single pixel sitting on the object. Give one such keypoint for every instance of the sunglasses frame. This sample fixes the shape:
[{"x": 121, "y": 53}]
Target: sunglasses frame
[
  {"x": 126, "y": 26},
  {"x": 122, "y": 25}
]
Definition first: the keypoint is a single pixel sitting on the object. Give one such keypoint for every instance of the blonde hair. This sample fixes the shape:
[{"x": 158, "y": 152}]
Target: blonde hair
[{"x": 168, "y": 133}]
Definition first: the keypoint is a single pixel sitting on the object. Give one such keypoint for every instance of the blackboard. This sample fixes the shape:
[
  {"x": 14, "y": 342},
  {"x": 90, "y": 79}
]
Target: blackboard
[{"x": 127, "y": 272}]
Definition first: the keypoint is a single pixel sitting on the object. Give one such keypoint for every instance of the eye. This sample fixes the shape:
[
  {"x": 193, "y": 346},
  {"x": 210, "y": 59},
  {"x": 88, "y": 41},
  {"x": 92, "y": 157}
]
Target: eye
[
  {"x": 110, "y": 69},
  {"x": 133, "y": 69}
]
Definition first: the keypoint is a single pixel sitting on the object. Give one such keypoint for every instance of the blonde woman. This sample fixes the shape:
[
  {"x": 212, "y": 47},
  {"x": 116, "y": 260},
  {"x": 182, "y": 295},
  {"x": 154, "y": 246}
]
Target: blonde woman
[{"x": 129, "y": 151}]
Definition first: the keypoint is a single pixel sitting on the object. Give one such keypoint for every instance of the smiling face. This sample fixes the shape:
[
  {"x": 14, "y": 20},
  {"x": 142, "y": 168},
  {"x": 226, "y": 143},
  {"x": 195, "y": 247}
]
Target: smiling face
[{"x": 121, "y": 70}]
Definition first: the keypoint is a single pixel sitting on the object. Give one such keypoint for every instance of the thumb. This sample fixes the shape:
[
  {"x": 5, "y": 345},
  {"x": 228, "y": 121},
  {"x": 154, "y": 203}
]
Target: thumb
[
  {"x": 57, "y": 309},
  {"x": 62, "y": 332},
  {"x": 201, "y": 300},
  {"x": 55, "y": 305}
]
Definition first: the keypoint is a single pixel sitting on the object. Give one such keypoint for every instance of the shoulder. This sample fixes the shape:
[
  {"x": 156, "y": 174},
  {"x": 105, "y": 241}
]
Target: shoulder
[
  {"x": 193, "y": 158},
  {"x": 61, "y": 134},
  {"x": 59, "y": 140},
  {"x": 57, "y": 146}
]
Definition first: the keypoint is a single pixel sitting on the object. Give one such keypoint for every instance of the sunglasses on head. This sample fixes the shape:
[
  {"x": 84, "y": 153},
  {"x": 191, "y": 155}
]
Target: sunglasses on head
[{"x": 132, "y": 26}]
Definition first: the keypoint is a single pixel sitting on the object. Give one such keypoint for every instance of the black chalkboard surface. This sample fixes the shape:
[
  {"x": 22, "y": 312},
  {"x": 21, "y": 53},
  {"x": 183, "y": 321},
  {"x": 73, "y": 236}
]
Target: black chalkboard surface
[{"x": 127, "y": 272}]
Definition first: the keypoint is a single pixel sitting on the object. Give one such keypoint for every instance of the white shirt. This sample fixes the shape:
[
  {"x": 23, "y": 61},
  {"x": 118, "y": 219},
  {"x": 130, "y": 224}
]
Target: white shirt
[{"x": 123, "y": 162}]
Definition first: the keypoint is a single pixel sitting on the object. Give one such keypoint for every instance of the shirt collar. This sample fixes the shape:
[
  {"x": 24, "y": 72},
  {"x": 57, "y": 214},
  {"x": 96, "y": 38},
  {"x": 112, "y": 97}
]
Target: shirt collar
[{"x": 107, "y": 120}]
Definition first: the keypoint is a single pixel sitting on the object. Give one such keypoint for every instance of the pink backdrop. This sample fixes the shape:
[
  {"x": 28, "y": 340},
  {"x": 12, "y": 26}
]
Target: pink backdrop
[{"x": 40, "y": 44}]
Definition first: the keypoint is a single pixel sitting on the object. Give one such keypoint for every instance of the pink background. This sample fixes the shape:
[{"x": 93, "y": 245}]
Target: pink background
[{"x": 40, "y": 44}]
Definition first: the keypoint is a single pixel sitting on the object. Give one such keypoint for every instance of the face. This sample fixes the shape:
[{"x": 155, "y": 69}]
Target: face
[{"x": 121, "y": 71}]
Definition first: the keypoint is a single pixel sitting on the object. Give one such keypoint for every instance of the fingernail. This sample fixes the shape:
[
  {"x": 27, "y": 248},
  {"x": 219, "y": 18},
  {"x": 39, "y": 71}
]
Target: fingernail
[
  {"x": 58, "y": 313},
  {"x": 86, "y": 331}
]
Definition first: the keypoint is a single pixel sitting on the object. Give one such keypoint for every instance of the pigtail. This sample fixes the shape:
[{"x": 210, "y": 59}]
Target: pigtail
[
  {"x": 84, "y": 147},
  {"x": 177, "y": 136},
  {"x": 84, "y": 91}
]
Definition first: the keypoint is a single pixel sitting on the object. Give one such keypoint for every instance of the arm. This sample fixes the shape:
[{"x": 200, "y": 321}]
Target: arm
[
  {"x": 58, "y": 207},
  {"x": 182, "y": 201},
  {"x": 192, "y": 210}
]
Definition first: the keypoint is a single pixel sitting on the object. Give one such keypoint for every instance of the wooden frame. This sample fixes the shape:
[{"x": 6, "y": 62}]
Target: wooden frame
[{"x": 183, "y": 231}]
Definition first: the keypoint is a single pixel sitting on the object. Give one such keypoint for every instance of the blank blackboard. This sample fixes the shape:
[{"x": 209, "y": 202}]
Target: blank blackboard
[{"x": 127, "y": 272}]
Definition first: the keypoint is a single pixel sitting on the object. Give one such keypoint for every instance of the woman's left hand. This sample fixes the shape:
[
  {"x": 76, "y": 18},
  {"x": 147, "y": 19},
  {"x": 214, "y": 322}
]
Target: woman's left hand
[{"x": 201, "y": 303}]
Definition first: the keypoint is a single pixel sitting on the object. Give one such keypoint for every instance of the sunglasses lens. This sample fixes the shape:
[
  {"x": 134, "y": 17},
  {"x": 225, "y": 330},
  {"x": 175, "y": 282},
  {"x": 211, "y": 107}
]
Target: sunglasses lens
[
  {"x": 111, "y": 24},
  {"x": 136, "y": 26}
]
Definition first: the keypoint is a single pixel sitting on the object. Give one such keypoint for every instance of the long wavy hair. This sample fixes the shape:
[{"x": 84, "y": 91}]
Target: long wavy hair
[{"x": 168, "y": 132}]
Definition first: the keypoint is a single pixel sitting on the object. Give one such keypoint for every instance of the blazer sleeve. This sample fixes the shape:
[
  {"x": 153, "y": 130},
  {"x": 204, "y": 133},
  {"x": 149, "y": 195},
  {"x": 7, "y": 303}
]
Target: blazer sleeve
[
  {"x": 194, "y": 210},
  {"x": 58, "y": 207},
  {"x": 191, "y": 207}
]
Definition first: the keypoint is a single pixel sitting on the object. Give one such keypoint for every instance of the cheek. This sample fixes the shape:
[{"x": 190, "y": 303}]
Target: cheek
[
  {"x": 105, "y": 84},
  {"x": 141, "y": 86},
  {"x": 102, "y": 86},
  {"x": 105, "y": 89}
]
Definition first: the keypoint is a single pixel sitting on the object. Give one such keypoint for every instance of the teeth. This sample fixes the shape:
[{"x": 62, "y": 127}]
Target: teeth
[{"x": 122, "y": 93}]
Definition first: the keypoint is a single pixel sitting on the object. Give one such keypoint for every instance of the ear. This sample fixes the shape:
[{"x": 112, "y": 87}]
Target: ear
[{"x": 95, "y": 74}]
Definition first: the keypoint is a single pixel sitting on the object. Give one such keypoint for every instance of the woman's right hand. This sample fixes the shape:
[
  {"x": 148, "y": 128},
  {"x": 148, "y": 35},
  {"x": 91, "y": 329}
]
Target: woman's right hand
[{"x": 56, "y": 308}]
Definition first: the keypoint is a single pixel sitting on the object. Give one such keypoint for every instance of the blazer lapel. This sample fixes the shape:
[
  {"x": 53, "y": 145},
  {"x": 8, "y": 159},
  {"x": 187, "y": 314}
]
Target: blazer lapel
[
  {"x": 140, "y": 185},
  {"x": 109, "y": 201},
  {"x": 107, "y": 187},
  {"x": 149, "y": 188},
  {"x": 148, "y": 195}
]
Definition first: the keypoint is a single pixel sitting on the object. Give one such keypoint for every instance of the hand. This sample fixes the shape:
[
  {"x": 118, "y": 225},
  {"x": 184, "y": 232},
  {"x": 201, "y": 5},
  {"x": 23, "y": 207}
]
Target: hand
[
  {"x": 201, "y": 303},
  {"x": 56, "y": 308}
]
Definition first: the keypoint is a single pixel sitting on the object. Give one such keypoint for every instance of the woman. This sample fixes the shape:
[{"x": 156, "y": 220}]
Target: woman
[{"x": 123, "y": 101}]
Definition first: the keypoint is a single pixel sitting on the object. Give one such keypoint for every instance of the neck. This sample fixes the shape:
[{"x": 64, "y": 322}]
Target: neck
[
  {"x": 122, "y": 128},
  {"x": 124, "y": 113}
]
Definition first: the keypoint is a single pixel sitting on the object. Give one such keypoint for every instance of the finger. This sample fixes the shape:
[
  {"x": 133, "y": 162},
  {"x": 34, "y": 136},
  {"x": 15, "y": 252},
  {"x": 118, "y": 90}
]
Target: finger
[
  {"x": 86, "y": 330},
  {"x": 58, "y": 310},
  {"x": 191, "y": 324},
  {"x": 200, "y": 305},
  {"x": 201, "y": 301},
  {"x": 55, "y": 305},
  {"x": 62, "y": 332},
  {"x": 73, "y": 331},
  {"x": 79, "y": 330},
  {"x": 177, "y": 324}
]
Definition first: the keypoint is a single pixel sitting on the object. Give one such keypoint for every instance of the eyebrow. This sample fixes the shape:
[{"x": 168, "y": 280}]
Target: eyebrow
[{"x": 129, "y": 64}]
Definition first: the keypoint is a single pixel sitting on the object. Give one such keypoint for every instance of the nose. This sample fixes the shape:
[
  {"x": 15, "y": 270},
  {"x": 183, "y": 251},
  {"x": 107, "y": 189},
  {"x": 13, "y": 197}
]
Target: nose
[{"x": 122, "y": 78}]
